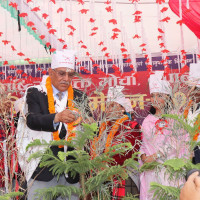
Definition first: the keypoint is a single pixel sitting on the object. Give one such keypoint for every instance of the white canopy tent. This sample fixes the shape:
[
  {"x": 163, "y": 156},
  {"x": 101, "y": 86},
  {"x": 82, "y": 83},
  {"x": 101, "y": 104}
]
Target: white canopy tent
[{"x": 93, "y": 39}]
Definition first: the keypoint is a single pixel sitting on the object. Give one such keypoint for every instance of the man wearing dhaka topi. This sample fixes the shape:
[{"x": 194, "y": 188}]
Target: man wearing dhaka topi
[{"x": 49, "y": 112}]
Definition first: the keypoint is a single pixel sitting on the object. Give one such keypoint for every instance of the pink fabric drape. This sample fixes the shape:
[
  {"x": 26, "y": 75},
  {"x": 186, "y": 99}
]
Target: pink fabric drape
[{"x": 191, "y": 16}]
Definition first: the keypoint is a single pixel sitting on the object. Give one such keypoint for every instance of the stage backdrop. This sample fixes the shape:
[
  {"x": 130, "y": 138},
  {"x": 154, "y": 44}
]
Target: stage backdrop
[{"x": 19, "y": 78}]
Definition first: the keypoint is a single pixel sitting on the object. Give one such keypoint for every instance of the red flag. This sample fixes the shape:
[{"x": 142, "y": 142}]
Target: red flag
[
  {"x": 48, "y": 44},
  {"x": 71, "y": 33},
  {"x": 108, "y": 2},
  {"x": 166, "y": 19},
  {"x": 60, "y": 10},
  {"x": 23, "y": 15},
  {"x": 106, "y": 54},
  {"x": 123, "y": 50},
  {"x": 20, "y": 54},
  {"x": 12, "y": 67},
  {"x": 5, "y": 42},
  {"x": 88, "y": 54},
  {"x": 128, "y": 61},
  {"x": 142, "y": 45},
  {"x": 65, "y": 46},
  {"x": 160, "y": 1},
  {"x": 42, "y": 37},
  {"x": 164, "y": 9},
  {"x": 19, "y": 71},
  {"x": 49, "y": 25},
  {"x": 83, "y": 46},
  {"x": 14, "y": 5},
  {"x": 44, "y": 15},
  {"x": 53, "y": 1},
  {"x": 95, "y": 28},
  {"x": 30, "y": 24},
  {"x": 71, "y": 27},
  {"x": 5, "y": 62},
  {"x": 92, "y": 34},
  {"x": 180, "y": 22},
  {"x": 114, "y": 21},
  {"x": 160, "y": 37},
  {"x": 67, "y": 20},
  {"x": 92, "y": 20},
  {"x": 36, "y": 9},
  {"x": 165, "y": 51},
  {"x": 52, "y": 31},
  {"x": 27, "y": 59},
  {"x": 160, "y": 30},
  {"x": 84, "y": 11},
  {"x": 81, "y": 2},
  {"x": 136, "y": 36},
  {"x": 101, "y": 43},
  {"x": 109, "y": 9},
  {"x": 137, "y": 19},
  {"x": 13, "y": 48},
  {"x": 61, "y": 40},
  {"x": 116, "y": 30},
  {"x": 114, "y": 36},
  {"x": 52, "y": 50},
  {"x": 104, "y": 49},
  {"x": 162, "y": 45},
  {"x": 137, "y": 12}
]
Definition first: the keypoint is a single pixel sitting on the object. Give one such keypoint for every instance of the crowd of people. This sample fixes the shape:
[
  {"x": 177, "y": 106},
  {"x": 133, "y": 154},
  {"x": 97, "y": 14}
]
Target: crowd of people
[{"x": 48, "y": 112}]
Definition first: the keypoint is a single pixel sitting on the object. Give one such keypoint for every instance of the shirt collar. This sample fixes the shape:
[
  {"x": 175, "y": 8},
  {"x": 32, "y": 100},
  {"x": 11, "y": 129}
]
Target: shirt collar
[{"x": 55, "y": 91}]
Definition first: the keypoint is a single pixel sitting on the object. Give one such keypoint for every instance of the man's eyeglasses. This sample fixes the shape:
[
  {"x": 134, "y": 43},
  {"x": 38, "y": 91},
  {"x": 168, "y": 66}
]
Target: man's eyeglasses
[{"x": 64, "y": 73}]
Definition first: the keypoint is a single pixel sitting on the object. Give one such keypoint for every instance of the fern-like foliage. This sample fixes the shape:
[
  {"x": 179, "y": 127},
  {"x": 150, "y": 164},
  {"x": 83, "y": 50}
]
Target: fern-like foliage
[
  {"x": 190, "y": 129},
  {"x": 149, "y": 166},
  {"x": 130, "y": 197},
  {"x": 162, "y": 192},
  {"x": 106, "y": 175},
  {"x": 59, "y": 190},
  {"x": 96, "y": 173},
  {"x": 10, "y": 195}
]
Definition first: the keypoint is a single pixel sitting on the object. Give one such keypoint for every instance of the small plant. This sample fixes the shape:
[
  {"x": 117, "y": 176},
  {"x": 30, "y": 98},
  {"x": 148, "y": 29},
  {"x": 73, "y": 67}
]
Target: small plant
[{"x": 96, "y": 173}]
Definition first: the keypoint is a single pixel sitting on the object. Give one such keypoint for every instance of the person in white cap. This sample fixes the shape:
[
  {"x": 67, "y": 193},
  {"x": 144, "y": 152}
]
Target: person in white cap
[
  {"x": 158, "y": 137},
  {"x": 118, "y": 125},
  {"x": 192, "y": 111},
  {"x": 48, "y": 110}
]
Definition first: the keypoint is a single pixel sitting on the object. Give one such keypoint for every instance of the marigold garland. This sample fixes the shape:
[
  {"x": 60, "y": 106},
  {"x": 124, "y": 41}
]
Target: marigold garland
[
  {"x": 110, "y": 136},
  {"x": 114, "y": 131},
  {"x": 51, "y": 108}
]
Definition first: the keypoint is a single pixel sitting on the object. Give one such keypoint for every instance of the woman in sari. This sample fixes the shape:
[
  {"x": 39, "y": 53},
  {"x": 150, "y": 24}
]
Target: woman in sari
[{"x": 160, "y": 140}]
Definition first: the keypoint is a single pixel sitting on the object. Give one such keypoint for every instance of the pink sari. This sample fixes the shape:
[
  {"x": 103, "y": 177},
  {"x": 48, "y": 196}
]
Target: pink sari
[{"x": 170, "y": 144}]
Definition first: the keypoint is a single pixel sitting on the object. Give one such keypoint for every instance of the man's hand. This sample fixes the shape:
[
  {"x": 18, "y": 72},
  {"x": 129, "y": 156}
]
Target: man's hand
[
  {"x": 65, "y": 116},
  {"x": 191, "y": 189}
]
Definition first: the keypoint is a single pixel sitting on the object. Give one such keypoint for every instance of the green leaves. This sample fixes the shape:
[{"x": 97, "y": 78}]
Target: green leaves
[
  {"x": 59, "y": 190},
  {"x": 162, "y": 192},
  {"x": 176, "y": 163},
  {"x": 191, "y": 130},
  {"x": 149, "y": 166},
  {"x": 11, "y": 195},
  {"x": 91, "y": 127},
  {"x": 96, "y": 173}
]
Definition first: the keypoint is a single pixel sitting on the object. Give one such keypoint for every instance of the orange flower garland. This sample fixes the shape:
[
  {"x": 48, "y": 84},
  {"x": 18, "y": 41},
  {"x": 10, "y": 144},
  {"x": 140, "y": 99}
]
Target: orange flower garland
[
  {"x": 52, "y": 110},
  {"x": 114, "y": 131},
  {"x": 110, "y": 136}
]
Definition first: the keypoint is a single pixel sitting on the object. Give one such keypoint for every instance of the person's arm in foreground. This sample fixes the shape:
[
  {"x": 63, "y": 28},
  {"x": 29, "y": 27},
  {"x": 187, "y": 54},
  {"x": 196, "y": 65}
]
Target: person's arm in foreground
[{"x": 191, "y": 189}]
